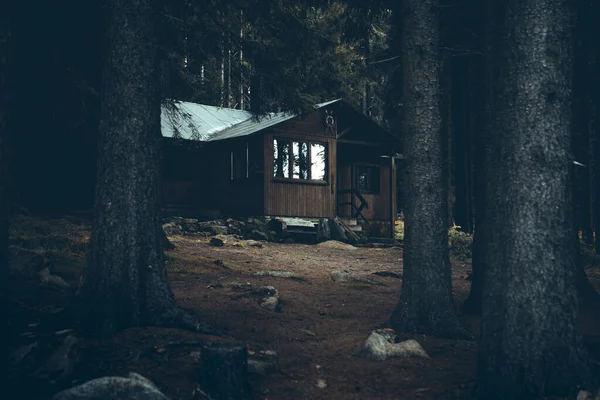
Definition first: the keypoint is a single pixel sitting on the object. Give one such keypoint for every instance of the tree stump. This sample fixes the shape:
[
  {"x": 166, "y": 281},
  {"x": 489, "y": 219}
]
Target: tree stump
[{"x": 224, "y": 371}]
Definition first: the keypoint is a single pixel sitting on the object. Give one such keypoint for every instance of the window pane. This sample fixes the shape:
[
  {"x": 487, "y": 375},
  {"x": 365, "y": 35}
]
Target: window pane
[
  {"x": 300, "y": 155},
  {"x": 318, "y": 158},
  {"x": 281, "y": 151}
]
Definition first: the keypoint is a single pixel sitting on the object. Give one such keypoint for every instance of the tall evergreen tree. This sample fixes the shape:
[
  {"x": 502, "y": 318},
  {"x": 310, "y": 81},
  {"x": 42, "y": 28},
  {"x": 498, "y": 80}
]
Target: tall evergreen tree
[
  {"x": 425, "y": 304},
  {"x": 125, "y": 282},
  {"x": 5, "y": 54},
  {"x": 531, "y": 345}
]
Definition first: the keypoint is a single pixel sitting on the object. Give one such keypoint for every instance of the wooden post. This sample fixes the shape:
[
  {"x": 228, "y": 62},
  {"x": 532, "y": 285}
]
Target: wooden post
[{"x": 224, "y": 371}]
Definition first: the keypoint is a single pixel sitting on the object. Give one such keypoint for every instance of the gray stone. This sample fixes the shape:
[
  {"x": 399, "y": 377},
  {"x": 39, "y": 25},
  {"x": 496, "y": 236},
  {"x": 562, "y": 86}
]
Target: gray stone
[
  {"x": 61, "y": 363},
  {"x": 171, "y": 229},
  {"x": 261, "y": 367},
  {"x": 324, "y": 230},
  {"x": 270, "y": 303},
  {"x": 134, "y": 387},
  {"x": 334, "y": 244},
  {"x": 49, "y": 280},
  {"x": 253, "y": 243},
  {"x": 280, "y": 274},
  {"x": 381, "y": 345},
  {"x": 343, "y": 276},
  {"x": 259, "y": 235}
]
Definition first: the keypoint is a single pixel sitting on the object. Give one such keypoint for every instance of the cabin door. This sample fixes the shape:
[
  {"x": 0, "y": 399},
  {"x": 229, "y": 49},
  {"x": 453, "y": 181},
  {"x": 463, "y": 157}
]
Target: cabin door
[{"x": 344, "y": 186}]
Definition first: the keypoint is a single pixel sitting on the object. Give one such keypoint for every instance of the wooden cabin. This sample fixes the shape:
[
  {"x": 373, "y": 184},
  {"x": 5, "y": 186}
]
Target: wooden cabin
[{"x": 330, "y": 162}]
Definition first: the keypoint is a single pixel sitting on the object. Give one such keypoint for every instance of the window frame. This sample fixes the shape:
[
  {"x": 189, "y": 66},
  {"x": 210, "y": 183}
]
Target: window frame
[
  {"x": 367, "y": 166},
  {"x": 290, "y": 178}
]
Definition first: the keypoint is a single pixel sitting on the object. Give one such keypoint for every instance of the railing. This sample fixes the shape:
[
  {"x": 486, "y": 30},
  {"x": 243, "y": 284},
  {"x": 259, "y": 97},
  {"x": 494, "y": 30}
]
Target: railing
[{"x": 357, "y": 210}]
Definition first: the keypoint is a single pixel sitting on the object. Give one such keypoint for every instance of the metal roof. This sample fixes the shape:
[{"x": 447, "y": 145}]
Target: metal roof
[
  {"x": 252, "y": 126},
  {"x": 208, "y": 123},
  {"x": 198, "y": 121}
]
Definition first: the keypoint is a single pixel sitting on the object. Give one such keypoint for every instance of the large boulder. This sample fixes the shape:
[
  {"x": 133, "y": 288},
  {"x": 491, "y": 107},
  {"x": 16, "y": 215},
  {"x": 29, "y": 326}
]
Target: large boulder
[{"x": 134, "y": 387}]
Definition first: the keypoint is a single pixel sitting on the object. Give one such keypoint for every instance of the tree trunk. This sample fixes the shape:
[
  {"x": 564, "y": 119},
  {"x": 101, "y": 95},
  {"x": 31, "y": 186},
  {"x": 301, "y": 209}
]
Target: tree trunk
[
  {"x": 425, "y": 304},
  {"x": 125, "y": 282},
  {"x": 595, "y": 117},
  {"x": 5, "y": 43},
  {"x": 531, "y": 345},
  {"x": 482, "y": 109}
]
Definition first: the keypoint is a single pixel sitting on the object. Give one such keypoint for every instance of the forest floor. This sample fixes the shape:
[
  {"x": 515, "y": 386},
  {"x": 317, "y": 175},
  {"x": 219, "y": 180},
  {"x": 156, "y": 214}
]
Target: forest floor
[{"x": 316, "y": 333}]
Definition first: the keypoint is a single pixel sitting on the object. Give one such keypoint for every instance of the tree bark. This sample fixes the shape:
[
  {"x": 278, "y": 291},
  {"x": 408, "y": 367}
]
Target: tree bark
[
  {"x": 425, "y": 304},
  {"x": 125, "y": 282},
  {"x": 6, "y": 42},
  {"x": 482, "y": 155},
  {"x": 531, "y": 345}
]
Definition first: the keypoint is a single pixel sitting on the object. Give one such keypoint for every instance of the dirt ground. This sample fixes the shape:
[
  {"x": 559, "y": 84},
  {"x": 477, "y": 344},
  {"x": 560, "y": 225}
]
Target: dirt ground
[{"x": 319, "y": 328}]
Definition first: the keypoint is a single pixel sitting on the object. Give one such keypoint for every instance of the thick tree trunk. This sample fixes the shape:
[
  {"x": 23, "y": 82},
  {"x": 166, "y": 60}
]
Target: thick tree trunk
[
  {"x": 595, "y": 115},
  {"x": 125, "y": 282},
  {"x": 5, "y": 43},
  {"x": 425, "y": 304},
  {"x": 531, "y": 345},
  {"x": 482, "y": 109}
]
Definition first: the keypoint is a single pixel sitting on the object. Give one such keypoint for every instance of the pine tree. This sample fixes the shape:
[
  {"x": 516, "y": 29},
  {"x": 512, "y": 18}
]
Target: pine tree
[
  {"x": 425, "y": 304},
  {"x": 531, "y": 345}
]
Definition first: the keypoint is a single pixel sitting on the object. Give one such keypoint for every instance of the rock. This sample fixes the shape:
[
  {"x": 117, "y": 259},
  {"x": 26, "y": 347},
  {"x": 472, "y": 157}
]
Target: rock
[
  {"x": 24, "y": 263},
  {"x": 586, "y": 395},
  {"x": 61, "y": 364},
  {"x": 323, "y": 230},
  {"x": 381, "y": 345},
  {"x": 261, "y": 367},
  {"x": 171, "y": 229},
  {"x": 321, "y": 383},
  {"x": 277, "y": 226},
  {"x": 337, "y": 232},
  {"x": 343, "y": 276},
  {"x": 253, "y": 243},
  {"x": 271, "y": 301},
  {"x": 334, "y": 244},
  {"x": 134, "y": 387},
  {"x": 235, "y": 227},
  {"x": 217, "y": 242},
  {"x": 240, "y": 286},
  {"x": 21, "y": 353},
  {"x": 281, "y": 274},
  {"x": 259, "y": 235},
  {"x": 49, "y": 280}
]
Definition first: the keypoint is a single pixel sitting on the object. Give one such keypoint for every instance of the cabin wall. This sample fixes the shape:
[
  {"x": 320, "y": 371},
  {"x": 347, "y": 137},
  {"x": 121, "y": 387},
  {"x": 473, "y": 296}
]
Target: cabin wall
[
  {"x": 290, "y": 197},
  {"x": 379, "y": 204},
  {"x": 242, "y": 195}
]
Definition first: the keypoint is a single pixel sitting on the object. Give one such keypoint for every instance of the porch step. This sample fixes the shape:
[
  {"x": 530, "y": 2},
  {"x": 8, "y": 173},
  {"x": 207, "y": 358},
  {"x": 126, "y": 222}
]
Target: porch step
[{"x": 349, "y": 221}]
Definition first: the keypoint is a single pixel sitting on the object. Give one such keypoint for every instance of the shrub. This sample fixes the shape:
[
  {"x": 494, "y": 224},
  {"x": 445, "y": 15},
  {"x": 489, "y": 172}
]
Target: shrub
[{"x": 460, "y": 244}]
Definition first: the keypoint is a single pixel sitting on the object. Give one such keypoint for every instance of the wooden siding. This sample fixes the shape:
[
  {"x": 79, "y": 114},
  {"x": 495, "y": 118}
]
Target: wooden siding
[
  {"x": 301, "y": 199},
  {"x": 380, "y": 205}
]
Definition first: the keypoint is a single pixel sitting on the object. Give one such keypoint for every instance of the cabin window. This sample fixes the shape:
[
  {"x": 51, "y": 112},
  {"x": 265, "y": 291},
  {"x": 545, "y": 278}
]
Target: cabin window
[
  {"x": 301, "y": 160},
  {"x": 367, "y": 178}
]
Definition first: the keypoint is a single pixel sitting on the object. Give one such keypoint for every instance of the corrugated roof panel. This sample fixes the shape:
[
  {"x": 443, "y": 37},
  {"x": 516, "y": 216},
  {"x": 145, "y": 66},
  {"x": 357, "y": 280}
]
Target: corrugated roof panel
[
  {"x": 249, "y": 127},
  {"x": 197, "y": 121}
]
